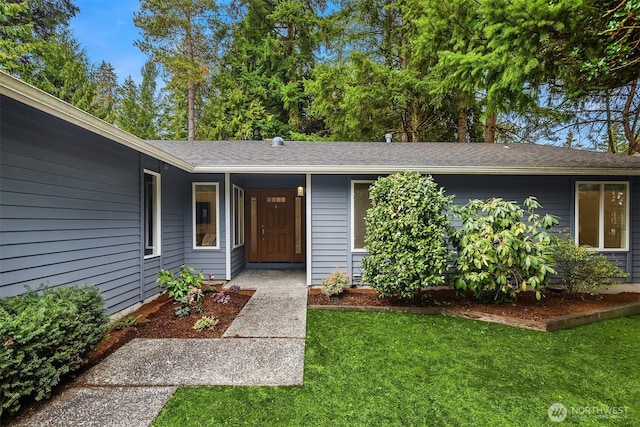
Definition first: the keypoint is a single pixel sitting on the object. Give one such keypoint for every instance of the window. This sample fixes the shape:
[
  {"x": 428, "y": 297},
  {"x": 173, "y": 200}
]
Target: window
[
  {"x": 602, "y": 215},
  {"x": 238, "y": 216},
  {"x": 205, "y": 215},
  {"x": 360, "y": 203},
  {"x": 151, "y": 213}
]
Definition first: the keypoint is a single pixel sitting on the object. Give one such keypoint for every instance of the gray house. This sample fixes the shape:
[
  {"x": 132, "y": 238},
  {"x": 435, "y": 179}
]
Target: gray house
[{"x": 84, "y": 202}]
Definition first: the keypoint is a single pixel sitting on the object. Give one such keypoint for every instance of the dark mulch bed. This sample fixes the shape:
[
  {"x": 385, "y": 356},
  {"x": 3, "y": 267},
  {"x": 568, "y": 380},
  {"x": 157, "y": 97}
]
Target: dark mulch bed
[
  {"x": 157, "y": 320},
  {"x": 525, "y": 307}
]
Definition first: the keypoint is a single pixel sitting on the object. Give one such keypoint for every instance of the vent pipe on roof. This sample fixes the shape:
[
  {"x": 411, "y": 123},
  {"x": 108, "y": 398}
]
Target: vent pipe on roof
[
  {"x": 388, "y": 137},
  {"x": 277, "y": 142}
]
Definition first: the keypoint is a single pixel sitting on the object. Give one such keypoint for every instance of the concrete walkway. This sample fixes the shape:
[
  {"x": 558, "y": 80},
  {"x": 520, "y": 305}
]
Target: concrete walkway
[{"x": 263, "y": 346}]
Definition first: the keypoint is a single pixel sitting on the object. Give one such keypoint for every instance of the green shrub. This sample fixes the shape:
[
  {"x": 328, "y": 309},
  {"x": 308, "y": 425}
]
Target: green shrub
[
  {"x": 43, "y": 336},
  {"x": 405, "y": 238},
  {"x": 499, "y": 253},
  {"x": 185, "y": 289},
  {"x": 582, "y": 269},
  {"x": 335, "y": 283}
]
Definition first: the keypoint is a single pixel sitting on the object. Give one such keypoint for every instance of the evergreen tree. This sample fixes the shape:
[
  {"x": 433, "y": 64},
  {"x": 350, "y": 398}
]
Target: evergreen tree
[
  {"x": 383, "y": 85},
  {"x": 106, "y": 99},
  {"x": 140, "y": 105},
  {"x": 181, "y": 36},
  {"x": 260, "y": 89}
]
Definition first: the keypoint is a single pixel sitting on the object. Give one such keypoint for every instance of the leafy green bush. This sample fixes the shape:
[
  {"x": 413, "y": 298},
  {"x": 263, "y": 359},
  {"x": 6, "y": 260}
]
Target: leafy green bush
[
  {"x": 335, "y": 283},
  {"x": 185, "y": 289},
  {"x": 582, "y": 269},
  {"x": 43, "y": 336},
  {"x": 405, "y": 238},
  {"x": 499, "y": 253}
]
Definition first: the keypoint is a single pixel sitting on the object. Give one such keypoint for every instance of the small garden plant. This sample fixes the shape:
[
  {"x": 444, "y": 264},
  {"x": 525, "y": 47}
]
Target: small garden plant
[
  {"x": 335, "y": 284},
  {"x": 582, "y": 269},
  {"x": 221, "y": 297},
  {"x": 205, "y": 322},
  {"x": 499, "y": 251},
  {"x": 406, "y": 231},
  {"x": 124, "y": 322},
  {"x": 185, "y": 289}
]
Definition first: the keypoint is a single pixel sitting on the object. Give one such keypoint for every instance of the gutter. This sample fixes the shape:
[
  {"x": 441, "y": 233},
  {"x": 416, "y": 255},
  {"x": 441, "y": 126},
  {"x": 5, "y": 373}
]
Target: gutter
[{"x": 434, "y": 170}]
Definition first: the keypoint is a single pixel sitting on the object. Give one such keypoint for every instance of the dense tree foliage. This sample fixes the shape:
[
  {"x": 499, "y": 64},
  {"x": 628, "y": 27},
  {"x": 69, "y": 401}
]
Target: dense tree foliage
[
  {"x": 560, "y": 71},
  {"x": 180, "y": 35}
]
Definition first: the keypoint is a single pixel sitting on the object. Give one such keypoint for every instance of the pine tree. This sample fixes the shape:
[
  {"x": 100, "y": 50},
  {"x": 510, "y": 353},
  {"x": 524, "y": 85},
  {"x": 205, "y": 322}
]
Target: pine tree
[{"x": 180, "y": 35}]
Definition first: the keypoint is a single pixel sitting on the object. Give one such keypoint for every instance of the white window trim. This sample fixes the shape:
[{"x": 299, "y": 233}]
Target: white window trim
[
  {"x": 600, "y": 247},
  {"x": 353, "y": 235},
  {"x": 235, "y": 216},
  {"x": 157, "y": 229},
  {"x": 193, "y": 216}
]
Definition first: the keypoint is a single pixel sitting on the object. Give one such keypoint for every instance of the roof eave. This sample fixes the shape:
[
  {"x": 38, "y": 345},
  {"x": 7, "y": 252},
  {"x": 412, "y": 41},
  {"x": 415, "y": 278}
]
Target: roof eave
[
  {"x": 20, "y": 91},
  {"x": 435, "y": 170}
]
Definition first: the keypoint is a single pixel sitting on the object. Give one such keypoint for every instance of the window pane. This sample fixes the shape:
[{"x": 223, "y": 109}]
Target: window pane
[
  {"x": 361, "y": 203},
  {"x": 205, "y": 213},
  {"x": 588, "y": 214},
  {"x": 238, "y": 209},
  {"x": 615, "y": 211},
  {"x": 298, "y": 226},
  {"x": 150, "y": 213},
  {"x": 254, "y": 225}
]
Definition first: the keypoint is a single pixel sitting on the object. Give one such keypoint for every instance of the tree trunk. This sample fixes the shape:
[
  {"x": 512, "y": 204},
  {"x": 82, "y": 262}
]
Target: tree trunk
[
  {"x": 294, "y": 113},
  {"x": 463, "y": 118},
  {"x": 634, "y": 144},
  {"x": 611, "y": 139},
  {"x": 490, "y": 128},
  {"x": 191, "y": 91},
  {"x": 415, "y": 121}
]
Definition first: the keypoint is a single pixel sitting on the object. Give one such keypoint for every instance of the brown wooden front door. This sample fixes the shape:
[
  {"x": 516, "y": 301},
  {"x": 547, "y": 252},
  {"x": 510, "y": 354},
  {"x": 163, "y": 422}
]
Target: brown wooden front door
[{"x": 276, "y": 228}]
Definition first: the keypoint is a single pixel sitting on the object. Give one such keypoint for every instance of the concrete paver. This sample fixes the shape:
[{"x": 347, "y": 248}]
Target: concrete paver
[
  {"x": 101, "y": 406},
  {"x": 274, "y": 311},
  {"x": 202, "y": 362}
]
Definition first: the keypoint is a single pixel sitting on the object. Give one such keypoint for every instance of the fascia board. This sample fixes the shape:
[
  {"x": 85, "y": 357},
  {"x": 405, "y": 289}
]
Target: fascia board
[{"x": 423, "y": 169}]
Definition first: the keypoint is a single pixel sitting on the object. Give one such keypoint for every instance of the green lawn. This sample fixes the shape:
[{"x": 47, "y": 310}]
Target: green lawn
[{"x": 364, "y": 369}]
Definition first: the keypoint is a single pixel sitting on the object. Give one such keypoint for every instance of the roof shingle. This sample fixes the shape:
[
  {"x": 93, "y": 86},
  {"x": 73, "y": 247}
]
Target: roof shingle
[{"x": 427, "y": 157}]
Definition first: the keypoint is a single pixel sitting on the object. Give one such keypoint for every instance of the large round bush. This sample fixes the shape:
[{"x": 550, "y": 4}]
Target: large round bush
[{"x": 406, "y": 231}]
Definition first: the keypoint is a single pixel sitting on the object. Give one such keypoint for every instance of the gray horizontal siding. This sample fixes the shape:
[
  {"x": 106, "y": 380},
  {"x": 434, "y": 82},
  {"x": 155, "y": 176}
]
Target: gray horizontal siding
[
  {"x": 329, "y": 225},
  {"x": 175, "y": 206},
  {"x": 555, "y": 193},
  {"x": 70, "y": 211},
  {"x": 237, "y": 260},
  {"x": 151, "y": 268}
]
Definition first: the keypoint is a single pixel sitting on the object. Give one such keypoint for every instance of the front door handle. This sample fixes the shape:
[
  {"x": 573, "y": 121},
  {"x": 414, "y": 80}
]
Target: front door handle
[{"x": 262, "y": 231}]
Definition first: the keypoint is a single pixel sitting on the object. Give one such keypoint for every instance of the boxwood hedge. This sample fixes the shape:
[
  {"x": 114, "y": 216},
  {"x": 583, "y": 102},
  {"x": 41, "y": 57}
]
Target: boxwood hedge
[{"x": 43, "y": 336}]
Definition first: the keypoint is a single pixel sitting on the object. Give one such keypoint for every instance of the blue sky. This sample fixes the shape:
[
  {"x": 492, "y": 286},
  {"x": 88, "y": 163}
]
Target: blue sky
[{"x": 105, "y": 29}]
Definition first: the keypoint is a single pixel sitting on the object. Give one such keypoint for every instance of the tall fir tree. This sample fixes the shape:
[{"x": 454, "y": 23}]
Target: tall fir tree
[
  {"x": 140, "y": 110},
  {"x": 181, "y": 36}
]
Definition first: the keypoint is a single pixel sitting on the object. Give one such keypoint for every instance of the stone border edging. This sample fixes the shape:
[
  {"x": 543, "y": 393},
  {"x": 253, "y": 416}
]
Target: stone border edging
[{"x": 548, "y": 325}]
